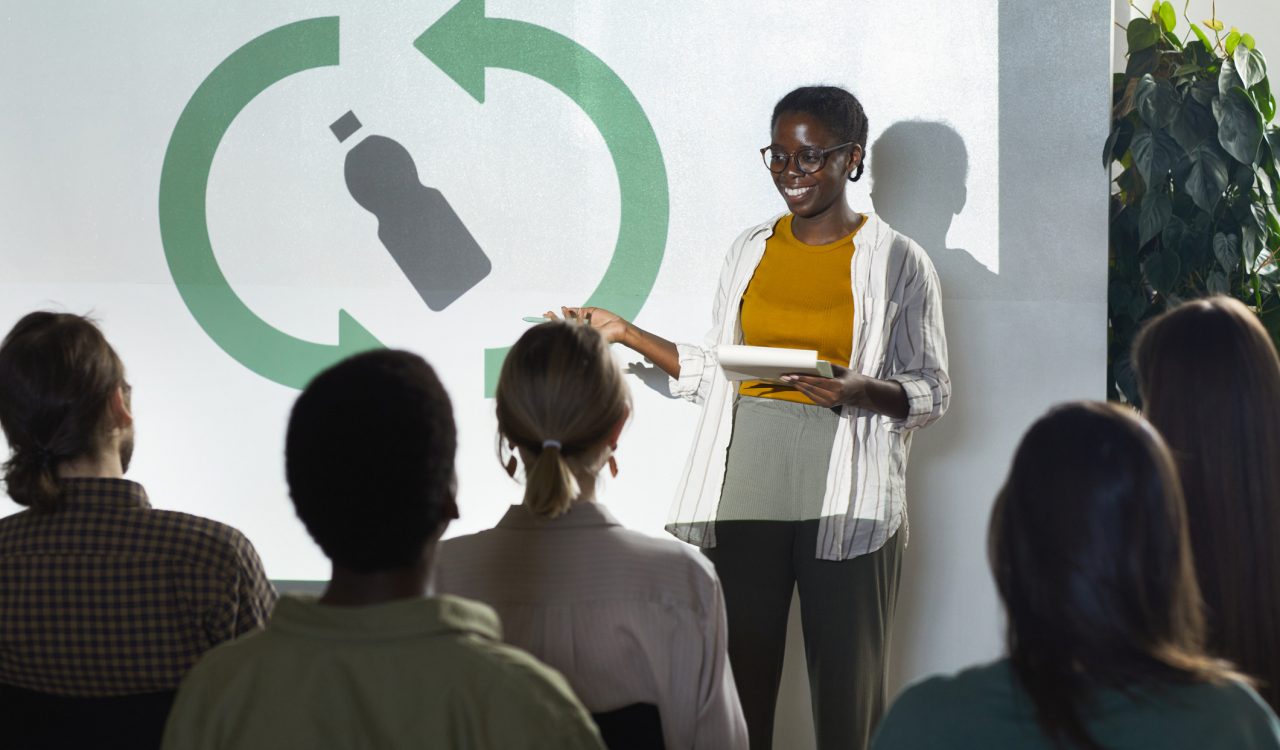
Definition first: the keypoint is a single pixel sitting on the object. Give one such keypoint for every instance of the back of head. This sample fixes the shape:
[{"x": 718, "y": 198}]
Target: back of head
[
  {"x": 559, "y": 397},
  {"x": 369, "y": 457},
  {"x": 1088, "y": 546},
  {"x": 57, "y": 377},
  {"x": 834, "y": 107},
  {"x": 1210, "y": 382}
]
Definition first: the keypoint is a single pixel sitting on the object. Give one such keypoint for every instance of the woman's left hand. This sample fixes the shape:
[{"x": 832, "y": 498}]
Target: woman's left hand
[
  {"x": 854, "y": 389},
  {"x": 846, "y": 387}
]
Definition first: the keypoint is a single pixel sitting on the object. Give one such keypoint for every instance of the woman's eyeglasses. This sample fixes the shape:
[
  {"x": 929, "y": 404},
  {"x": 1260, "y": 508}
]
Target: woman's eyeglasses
[{"x": 808, "y": 160}]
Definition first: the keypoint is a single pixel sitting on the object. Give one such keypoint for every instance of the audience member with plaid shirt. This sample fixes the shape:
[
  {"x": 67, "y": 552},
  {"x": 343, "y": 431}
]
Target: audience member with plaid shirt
[{"x": 105, "y": 602}]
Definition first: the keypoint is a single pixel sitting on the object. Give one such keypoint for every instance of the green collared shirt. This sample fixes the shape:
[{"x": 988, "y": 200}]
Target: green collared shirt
[{"x": 415, "y": 673}]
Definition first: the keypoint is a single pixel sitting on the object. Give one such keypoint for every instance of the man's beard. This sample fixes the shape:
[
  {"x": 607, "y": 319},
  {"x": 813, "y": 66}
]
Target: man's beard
[{"x": 126, "y": 450}]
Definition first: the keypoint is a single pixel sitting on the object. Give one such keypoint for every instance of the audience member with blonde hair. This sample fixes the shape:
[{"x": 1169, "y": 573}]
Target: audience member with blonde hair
[
  {"x": 632, "y": 621},
  {"x": 1089, "y": 548},
  {"x": 1210, "y": 382}
]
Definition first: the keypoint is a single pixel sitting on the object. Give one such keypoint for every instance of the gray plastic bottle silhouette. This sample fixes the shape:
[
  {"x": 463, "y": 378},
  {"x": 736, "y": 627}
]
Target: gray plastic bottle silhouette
[{"x": 415, "y": 223}]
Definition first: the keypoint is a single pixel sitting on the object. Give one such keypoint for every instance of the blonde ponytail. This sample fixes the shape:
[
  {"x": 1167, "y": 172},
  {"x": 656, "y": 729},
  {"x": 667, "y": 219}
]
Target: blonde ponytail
[
  {"x": 549, "y": 483},
  {"x": 559, "y": 395}
]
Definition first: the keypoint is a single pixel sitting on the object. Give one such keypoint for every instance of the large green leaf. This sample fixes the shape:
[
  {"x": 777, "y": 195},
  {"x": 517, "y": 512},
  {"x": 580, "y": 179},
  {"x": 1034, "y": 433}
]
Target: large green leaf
[
  {"x": 1226, "y": 248},
  {"x": 1242, "y": 177},
  {"x": 1141, "y": 34},
  {"x": 1208, "y": 176},
  {"x": 1251, "y": 66},
  {"x": 1142, "y": 61},
  {"x": 1239, "y": 125},
  {"x": 1193, "y": 125},
  {"x": 1182, "y": 169},
  {"x": 1157, "y": 101},
  {"x": 1217, "y": 283},
  {"x": 1161, "y": 270},
  {"x": 1231, "y": 42},
  {"x": 1118, "y": 141},
  {"x": 1250, "y": 243},
  {"x": 1156, "y": 210},
  {"x": 1168, "y": 17},
  {"x": 1175, "y": 238},
  {"x": 1154, "y": 153},
  {"x": 1203, "y": 39},
  {"x": 1228, "y": 78},
  {"x": 1270, "y": 165},
  {"x": 1204, "y": 92},
  {"x": 1200, "y": 55},
  {"x": 1262, "y": 96}
]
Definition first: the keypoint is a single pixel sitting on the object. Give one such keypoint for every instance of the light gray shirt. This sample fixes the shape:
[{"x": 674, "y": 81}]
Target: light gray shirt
[
  {"x": 897, "y": 335},
  {"x": 625, "y": 617}
]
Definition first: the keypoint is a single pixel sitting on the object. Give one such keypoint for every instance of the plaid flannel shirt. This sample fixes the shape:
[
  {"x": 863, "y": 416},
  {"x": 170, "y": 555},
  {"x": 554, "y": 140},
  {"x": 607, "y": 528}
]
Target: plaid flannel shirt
[{"x": 107, "y": 596}]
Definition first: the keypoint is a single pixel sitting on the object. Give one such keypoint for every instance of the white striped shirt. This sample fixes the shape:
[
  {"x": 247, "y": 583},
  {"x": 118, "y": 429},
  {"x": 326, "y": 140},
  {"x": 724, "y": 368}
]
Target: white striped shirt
[
  {"x": 626, "y": 618},
  {"x": 897, "y": 335}
]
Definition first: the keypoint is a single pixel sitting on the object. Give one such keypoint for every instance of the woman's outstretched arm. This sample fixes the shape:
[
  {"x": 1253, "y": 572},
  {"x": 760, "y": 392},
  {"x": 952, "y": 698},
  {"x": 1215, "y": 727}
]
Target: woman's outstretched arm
[{"x": 615, "y": 329}]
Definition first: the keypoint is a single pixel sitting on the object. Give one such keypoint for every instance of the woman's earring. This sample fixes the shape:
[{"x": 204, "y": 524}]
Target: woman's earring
[
  {"x": 510, "y": 464},
  {"x": 613, "y": 463}
]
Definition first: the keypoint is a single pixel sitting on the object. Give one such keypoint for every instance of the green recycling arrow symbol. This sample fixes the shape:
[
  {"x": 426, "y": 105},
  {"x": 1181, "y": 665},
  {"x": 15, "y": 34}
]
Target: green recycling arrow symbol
[
  {"x": 184, "y": 229},
  {"x": 463, "y": 43}
]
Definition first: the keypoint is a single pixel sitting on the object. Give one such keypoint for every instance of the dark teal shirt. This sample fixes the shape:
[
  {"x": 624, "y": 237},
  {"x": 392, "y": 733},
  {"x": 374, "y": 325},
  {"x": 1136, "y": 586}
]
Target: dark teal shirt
[{"x": 984, "y": 707}]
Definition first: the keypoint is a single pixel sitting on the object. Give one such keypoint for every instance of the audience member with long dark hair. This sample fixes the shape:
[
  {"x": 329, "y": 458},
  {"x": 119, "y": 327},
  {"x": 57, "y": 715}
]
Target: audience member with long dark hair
[
  {"x": 1210, "y": 382},
  {"x": 1090, "y": 552},
  {"x": 630, "y": 620}
]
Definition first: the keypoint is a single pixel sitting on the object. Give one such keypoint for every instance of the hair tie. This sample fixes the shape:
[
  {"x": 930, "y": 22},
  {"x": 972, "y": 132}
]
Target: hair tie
[
  {"x": 43, "y": 455},
  {"x": 551, "y": 444}
]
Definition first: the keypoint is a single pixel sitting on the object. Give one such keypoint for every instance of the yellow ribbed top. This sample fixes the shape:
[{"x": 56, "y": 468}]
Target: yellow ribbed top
[{"x": 799, "y": 298}]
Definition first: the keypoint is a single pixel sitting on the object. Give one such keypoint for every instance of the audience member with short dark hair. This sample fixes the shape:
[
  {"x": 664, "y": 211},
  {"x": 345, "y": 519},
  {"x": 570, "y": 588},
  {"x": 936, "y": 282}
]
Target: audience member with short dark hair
[
  {"x": 1088, "y": 545},
  {"x": 105, "y": 602},
  {"x": 1210, "y": 382},
  {"x": 631, "y": 620},
  {"x": 374, "y": 662}
]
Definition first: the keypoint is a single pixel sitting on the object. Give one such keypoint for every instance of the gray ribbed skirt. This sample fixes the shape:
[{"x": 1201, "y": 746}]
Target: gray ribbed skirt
[{"x": 777, "y": 464}]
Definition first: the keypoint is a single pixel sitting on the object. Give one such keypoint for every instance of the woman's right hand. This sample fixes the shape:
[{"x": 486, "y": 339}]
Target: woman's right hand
[{"x": 612, "y": 327}]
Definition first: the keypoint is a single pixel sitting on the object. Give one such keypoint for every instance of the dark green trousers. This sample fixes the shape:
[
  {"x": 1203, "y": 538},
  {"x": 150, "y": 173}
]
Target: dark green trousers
[{"x": 846, "y": 610}]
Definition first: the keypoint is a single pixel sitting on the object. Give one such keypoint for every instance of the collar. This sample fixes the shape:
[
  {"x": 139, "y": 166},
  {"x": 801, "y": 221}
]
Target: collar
[
  {"x": 421, "y": 616},
  {"x": 579, "y": 516},
  {"x": 95, "y": 492},
  {"x": 871, "y": 226}
]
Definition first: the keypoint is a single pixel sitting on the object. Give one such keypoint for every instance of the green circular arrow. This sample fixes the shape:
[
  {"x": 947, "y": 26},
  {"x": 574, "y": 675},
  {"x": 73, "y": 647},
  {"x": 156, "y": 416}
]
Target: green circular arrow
[
  {"x": 463, "y": 42},
  {"x": 184, "y": 229}
]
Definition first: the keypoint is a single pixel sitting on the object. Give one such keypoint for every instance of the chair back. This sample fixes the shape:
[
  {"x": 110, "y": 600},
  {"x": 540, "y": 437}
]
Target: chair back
[
  {"x": 634, "y": 727},
  {"x": 40, "y": 721}
]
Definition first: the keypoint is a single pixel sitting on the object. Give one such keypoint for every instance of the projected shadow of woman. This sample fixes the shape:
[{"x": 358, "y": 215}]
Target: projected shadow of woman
[{"x": 919, "y": 172}]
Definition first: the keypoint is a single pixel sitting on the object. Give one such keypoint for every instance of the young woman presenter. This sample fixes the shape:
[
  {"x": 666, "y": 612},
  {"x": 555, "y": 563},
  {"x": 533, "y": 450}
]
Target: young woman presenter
[{"x": 801, "y": 484}]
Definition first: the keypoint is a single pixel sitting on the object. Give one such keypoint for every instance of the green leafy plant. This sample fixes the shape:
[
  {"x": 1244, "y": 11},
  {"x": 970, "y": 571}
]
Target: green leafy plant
[{"x": 1194, "y": 161}]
